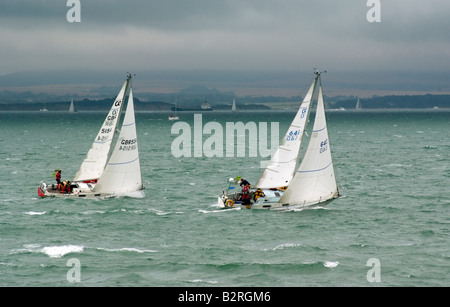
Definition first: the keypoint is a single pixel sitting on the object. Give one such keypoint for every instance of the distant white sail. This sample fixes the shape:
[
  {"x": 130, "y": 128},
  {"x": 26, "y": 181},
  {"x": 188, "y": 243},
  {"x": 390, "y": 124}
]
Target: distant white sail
[
  {"x": 233, "y": 107},
  {"x": 283, "y": 164},
  {"x": 95, "y": 161},
  {"x": 358, "y": 104},
  {"x": 72, "y": 107},
  {"x": 123, "y": 172},
  {"x": 315, "y": 181}
]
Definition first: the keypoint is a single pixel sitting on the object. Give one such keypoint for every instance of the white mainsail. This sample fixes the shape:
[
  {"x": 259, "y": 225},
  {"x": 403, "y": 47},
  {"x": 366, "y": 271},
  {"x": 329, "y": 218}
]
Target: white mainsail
[
  {"x": 95, "y": 161},
  {"x": 358, "y": 104},
  {"x": 72, "y": 108},
  {"x": 123, "y": 173},
  {"x": 315, "y": 181},
  {"x": 233, "y": 107},
  {"x": 283, "y": 164}
]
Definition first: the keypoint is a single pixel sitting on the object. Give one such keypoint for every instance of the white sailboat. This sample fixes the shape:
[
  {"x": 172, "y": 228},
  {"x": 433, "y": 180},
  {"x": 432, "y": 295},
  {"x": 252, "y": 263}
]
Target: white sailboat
[
  {"x": 44, "y": 109},
  {"x": 358, "y": 104},
  {"x": 102, "y": 174},
  {"x": 175, "y": 115},
  {"x": 72, "y": 107},
  {"x": 282, "y": 186},
  {"x": 233, "y": 107}
]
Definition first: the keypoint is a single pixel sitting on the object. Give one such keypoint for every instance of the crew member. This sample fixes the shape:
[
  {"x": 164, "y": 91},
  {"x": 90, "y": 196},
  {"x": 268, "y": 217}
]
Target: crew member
[
  {"x": 58, "y": 176},
  {"x": 259, "y": 193},
  {"x": 245, "y": 195},
  {"x": 244, "y": 182}
]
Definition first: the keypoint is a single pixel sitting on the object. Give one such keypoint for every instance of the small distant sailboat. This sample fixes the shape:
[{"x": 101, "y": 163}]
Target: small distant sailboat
[
  {"x": 175, "y": 116},
  {"x": 358, "y": 104},
  {"x": 44, "y": 109},
  {"x": 233, "y": 107},
  {"x": 72, "y": 108},
  {"x": 102, "y": 175},
  {"x": 282, "y": 185}
]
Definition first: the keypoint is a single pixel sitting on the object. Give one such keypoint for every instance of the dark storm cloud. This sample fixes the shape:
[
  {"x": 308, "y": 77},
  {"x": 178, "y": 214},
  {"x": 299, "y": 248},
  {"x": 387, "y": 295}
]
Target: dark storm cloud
[{"x": 225, "y": 34}]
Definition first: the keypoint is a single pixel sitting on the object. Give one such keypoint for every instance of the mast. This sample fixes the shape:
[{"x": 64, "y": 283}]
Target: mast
[
  {"x": 94, "y": 163},
  {"x": 315, "y": 180},
  {"x": 283, "y": 163}
]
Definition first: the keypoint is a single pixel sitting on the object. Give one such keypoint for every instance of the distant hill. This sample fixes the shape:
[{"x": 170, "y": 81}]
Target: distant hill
[{"x": 83, "y": 105}]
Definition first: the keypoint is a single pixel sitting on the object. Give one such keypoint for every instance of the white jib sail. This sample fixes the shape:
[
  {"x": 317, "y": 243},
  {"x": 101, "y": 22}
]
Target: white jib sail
[
  {"x": 71, "y": 108},
  {"x": 95, "y": 161},
  {"x": 123, "y": 172},
  {"x": 314, "y": 181},
  {"x": 283, "y": 163}
]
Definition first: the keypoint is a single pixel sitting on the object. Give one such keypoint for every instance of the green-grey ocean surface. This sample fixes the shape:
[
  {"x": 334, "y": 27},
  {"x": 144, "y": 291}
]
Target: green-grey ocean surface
[{"x": 393, "y": 171}]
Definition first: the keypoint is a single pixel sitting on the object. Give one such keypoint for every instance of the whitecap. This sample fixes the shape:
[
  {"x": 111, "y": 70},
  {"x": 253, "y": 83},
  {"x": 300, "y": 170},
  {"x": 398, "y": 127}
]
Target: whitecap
[
  {"x": 159, "y": 212},
  {"x": 93, "y": 212},
  {"x": 128, "y": 249},
  {"x": 286, "y": 245},
  {"x": 59, "y": 251},
  {"x": 331, "y": 264},
  {"x": 35, "y": 213},
  {"x": 203, "y": 281}
]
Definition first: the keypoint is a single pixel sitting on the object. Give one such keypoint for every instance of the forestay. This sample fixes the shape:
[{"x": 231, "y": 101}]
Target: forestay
[{"x": 283, "y": 164}]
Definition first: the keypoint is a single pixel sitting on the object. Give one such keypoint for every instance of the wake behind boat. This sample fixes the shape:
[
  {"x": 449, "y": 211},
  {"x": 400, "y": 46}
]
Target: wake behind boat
[
  {"x": 102, "y": 174},
  {"x": 282, "y": 186}
]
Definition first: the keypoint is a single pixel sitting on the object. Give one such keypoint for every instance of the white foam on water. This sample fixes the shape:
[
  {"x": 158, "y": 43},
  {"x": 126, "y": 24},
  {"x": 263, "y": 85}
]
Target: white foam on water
[
  {"x": 60, "y": 251},
  {"x": 331, "y": 264}
]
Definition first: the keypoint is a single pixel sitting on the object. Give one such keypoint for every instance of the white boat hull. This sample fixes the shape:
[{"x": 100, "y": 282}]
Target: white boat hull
[
  {"x": 270, "y": 201},
  {"x": 81, "y": 190}
]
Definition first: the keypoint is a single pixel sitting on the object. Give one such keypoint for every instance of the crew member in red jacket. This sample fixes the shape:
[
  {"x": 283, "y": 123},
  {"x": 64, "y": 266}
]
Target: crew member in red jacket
[{"x": 58, "y": 177}]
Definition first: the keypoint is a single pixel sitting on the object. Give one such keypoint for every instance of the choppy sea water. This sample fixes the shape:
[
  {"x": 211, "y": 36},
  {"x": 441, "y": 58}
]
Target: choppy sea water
[{"x": 389, "y": 228}]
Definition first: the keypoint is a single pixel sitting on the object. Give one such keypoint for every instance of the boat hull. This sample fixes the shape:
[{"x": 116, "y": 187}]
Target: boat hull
[
  {"x": 270, "y": 201},
  {"x": 77, "y": 191}
]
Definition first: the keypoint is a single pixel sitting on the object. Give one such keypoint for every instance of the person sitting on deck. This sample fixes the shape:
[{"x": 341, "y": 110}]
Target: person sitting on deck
[
  {"x": 67, "y": 187},
  {"x": 259, "y": 193},
  {"x": 62, "y": 186}
]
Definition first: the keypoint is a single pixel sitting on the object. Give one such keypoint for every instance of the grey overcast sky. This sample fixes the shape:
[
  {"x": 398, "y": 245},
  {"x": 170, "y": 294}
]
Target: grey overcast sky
[
  {"x": 225, "y": 34},
  {"x": 281, "y": 35}
]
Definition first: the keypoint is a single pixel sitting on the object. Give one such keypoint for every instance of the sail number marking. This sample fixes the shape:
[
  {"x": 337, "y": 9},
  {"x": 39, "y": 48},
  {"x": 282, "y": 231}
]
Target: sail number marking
[
  {"x": 110, "y": 119},
  {"x": 128, "y": 144},
  {"x": 293, "y": 135},
  {"x": 303, "y": 114},
  {"x": 323, "y": 146}
]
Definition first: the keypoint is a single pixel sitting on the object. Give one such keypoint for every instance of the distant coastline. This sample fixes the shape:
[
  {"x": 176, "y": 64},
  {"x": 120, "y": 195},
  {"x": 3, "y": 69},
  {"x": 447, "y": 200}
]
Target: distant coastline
[{"x": 245, "y": 103}]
